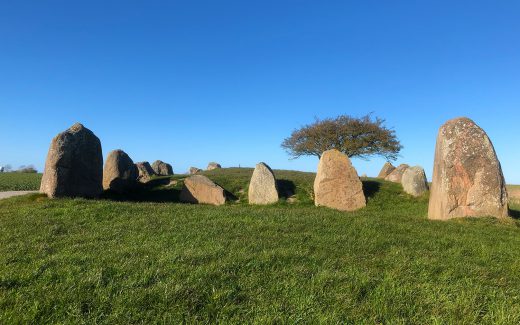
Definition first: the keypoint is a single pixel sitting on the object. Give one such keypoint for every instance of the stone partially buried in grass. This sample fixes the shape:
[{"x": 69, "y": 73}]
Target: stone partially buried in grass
[
  {"x": 74, "y": 165},
  {"x": 200, "y": 189},
  {"x": 337, "y": 184},
  {"x": 467, "y": 176},
  {"x": 414, "y": 181},
  {"x": 161, "y": 168},
  {"x": 213, "y": 165},
  {"x": 145, "y": 171},
  {"x": 396, "y": 175},
  {"x": 386, "y": 170},
  {"x": 262, "y": 188},
  {"x": 120, "y": 174}
]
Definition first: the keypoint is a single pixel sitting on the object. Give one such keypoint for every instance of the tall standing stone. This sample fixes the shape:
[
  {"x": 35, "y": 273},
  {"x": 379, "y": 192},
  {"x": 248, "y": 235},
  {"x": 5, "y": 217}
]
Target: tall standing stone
[
  {"x": 414, "y": 181},
  {"x": 120, "y": 174},
  {"x": 145, "y": 171},
  {"x": 262, "y": 188},
  {"x": 200, "y": 189},
  {"x": 337, "y": 184},
  {"x": 74, "y": 165},
  {"x": 161, "y": 168},
  {"x": 386, "y": 170},
  {"x": 397, "y": 174},
  {"x": 467, "y": 176}
]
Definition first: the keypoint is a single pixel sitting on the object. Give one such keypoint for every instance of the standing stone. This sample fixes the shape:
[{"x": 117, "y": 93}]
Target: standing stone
[
  {"x": 74, "y": 165},
  {"x": 467, "y": 176},
  {"x": 145, "y": 171},
  {"x": 162, "y": 169},
  {"x": 414, "y": 181},
  {"x": 195, "y": 170},
  {"x": 200, "y": 189},
  {"x": 397, "y": 174},
  {"x": 337, "y": 184},
  {"x": 262, "y": 188},
  {"x": 386, "y": 170},
  {"x": 120, "y": 174},
  {"x": 213, "y": 165}
]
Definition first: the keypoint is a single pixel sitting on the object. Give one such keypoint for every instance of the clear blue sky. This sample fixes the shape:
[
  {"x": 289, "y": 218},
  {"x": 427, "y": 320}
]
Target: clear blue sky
[{"x": 195, "y": 81}]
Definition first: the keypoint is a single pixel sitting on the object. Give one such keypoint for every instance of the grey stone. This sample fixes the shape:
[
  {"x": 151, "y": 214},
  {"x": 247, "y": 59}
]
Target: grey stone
[{"x": 74, "y": 165}]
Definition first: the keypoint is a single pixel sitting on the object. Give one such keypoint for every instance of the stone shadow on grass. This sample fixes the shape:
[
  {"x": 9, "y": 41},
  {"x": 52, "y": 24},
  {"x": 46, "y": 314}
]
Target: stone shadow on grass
[
  {"x": 145, "y": 195},
  {"x": 515, "y": 214},
  {"x": 150, "y": 191},
  {"x": 286, "y": 188},
  {"x": 370, "y": 188}
]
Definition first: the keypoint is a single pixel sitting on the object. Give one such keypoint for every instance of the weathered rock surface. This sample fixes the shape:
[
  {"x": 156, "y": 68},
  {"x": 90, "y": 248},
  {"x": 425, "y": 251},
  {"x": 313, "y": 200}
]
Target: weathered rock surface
[
  {"x": 386, "y": 170},
  {"x": 195, "y": 170},
  {"x": 145, "y": 171},
  {"x": 467, "y": 176},
  {"x": 213, "y": 165},
  {"x": 74, "y": 165},
  {"x": 161, "y": 168},
  {"x": 120, "y": 173},
  {"x": 337, "y": 184},
  {"x": 414, "y": 181},
  {"x": 200, "y": 189},
  {"x": 262, "y": 188},
  {"x": 397, "y": 174}
]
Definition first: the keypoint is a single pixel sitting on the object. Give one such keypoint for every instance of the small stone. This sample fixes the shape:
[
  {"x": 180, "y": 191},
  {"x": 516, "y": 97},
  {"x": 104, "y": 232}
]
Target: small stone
[
  {"x": 213, "y": 165},
  {"x": 195, "y": 170},
  {"x": 162, "y": 169},
  {"x": 386, "y": 170},
  {"x": 414, "y": 181},
  {"x": 397, "y": 174},
  {"x": 262, "y": 188},
  {"x": 120, "y": 173},
  {"x": 200, "y": 189},
  {"x": 145, "y": 171}
]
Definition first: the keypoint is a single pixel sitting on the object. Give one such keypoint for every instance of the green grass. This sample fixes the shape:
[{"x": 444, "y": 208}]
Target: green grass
[
  {"x": 20, "y": 181},
  {"x": 101, "y": 261}
]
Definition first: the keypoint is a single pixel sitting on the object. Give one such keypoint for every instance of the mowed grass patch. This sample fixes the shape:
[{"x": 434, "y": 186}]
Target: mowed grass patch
[
  {"x": 20, "y": 181},
  {"x": 99, "y": 261}
]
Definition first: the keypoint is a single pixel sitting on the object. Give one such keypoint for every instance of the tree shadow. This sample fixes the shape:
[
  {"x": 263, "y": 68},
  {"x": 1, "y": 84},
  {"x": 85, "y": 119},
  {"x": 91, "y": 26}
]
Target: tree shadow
[
  {"x": 370, "y": 188},
  {"x": 286, "y": 188}
]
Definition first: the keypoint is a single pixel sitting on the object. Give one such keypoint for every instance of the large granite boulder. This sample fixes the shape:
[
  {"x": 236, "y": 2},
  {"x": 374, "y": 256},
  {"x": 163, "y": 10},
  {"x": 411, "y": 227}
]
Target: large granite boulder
[
  {"x": 213, "y": 165},
  {"x": 145, "y": 171},
  {"x": 120, "y": 173},
  {"x": 397, "y": 174},
  {"x": 74, "y": 165},
  {"x": 467, "y": 176},
  {"x": 337, "y": 184},
  {"x": 195, "y": 170},
  {"x": 200, "y": 189},
  {"x": 414, "y": 181},
  {"x": 162, "y": 169},
  {"x": 262, "y": 188},
  {"x": 386, "y": 170}
]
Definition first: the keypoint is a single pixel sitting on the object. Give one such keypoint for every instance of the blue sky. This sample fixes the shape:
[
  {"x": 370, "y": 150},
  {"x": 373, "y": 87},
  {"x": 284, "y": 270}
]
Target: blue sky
[{"x": 190, "y": 82}]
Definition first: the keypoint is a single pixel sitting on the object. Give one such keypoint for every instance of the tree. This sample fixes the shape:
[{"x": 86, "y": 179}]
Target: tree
[{"x": 356, "y": 137}]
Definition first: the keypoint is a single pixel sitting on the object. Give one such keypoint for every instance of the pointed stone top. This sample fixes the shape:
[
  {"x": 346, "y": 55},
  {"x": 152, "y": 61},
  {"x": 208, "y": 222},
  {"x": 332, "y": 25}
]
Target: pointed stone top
[{"x": 77, "y": 127}]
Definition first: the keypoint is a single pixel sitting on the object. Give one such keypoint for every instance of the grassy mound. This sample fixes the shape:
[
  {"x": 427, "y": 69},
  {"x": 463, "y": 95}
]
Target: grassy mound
[{"x": 104, "y": 261}]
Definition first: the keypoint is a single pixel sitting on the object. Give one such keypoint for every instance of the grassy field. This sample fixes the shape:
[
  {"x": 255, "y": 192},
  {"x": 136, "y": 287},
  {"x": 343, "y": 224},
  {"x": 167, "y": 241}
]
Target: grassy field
[
  {"x": 106, "y": 261},
  {"x": 20, "y": 181}
]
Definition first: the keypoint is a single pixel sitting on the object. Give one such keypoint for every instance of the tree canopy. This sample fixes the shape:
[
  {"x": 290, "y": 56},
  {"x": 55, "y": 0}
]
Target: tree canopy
[{"x": 356, "y": 137}]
